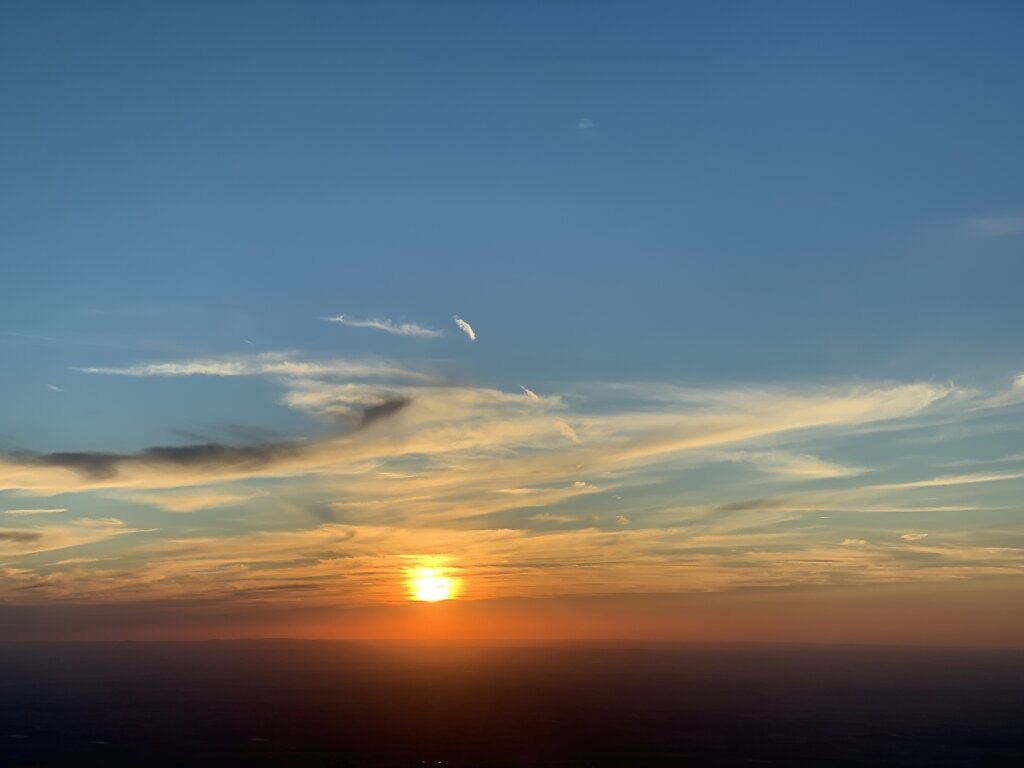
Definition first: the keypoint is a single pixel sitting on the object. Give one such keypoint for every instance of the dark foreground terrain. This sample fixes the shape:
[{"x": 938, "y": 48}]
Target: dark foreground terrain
[{"x": 280, "y": 703}]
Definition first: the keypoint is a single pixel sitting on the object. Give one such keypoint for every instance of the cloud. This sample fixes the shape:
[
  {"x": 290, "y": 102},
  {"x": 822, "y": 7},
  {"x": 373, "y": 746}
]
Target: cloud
[
  {"x": 585, "y": 123},
  {"x": 508, "y": 440},
  {"x": 265, "y": 364},
  {"x": 13, "y": 337},
  {"x": 547, "y": 517},
  {"x": 914, "y": 536},
  {"x": 20, "y": 537},
  {"x": 176, "y": 501},
  {"x": 388, "y": 326},
  {"x": 86, "y": 530},
  {"x": 440, "y": 420},
  {"x": 388, "y": 407},
  {"x": 342, "y": 564},
  {"x": 565, "y": 428},
  {"x": 96, "y": 466},
  {"x": 529, "y": 393},
  {"x": 22, "y": 512},
  {"x": 997, "y": 226},
  {"x": 465, "y": 327},
  {"x": 54, "y": 388},
  {"x": 749, "y": 414},
  {"x": 944, "y": 480},
  {"x": 1007, "y": 397},
  {"x": 794, "y": 465}
]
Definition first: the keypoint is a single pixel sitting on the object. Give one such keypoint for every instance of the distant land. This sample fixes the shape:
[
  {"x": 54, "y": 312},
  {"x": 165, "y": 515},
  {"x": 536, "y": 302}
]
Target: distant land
[{"x": 329, "y": 703}]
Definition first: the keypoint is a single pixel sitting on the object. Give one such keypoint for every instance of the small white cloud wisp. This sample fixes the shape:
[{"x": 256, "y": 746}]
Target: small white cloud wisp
[
  {"x": 386, "y": 325},
  {"x": 998, "y": 226},
  {"x": 465, "y": 327}
]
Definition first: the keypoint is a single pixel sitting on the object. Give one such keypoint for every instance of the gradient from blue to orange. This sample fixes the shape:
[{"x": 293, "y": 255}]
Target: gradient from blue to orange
[{"x": 744, "y": 278}]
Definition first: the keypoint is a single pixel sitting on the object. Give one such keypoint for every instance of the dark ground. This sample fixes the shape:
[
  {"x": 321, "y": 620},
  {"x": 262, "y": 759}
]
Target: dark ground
[{"x": 278, "y": 703}]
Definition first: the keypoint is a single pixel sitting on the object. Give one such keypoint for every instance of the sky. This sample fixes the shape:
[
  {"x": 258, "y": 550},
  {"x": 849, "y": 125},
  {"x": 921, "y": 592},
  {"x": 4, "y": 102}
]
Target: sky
[{"x": 633, "y": 320}]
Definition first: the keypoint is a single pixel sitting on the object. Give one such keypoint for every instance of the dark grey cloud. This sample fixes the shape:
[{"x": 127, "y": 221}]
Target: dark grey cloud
[
  {"x": 743, "y": 506},
  {"x": 97, "y": 465},
  {"x": 103, "y": 466},
  {"x": 391, "y": 406},
  {"x": 20, "y": 537}
]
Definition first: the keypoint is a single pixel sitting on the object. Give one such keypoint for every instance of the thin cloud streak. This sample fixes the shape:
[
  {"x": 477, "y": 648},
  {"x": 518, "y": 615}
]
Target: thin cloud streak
[
  {"x": 265, "y": 364},
  {"x": 997, "y": 226},
  {"x": 86, "y": 530},
  {"x": 176, "y": 501},
  {"x": 794, "y": 465},
  {"x": 388, "y": 326},
  {"x": 944, "y": 480}
]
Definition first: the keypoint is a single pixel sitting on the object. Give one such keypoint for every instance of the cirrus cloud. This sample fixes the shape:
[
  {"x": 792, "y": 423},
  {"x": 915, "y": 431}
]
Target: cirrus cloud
[{"x": 388, "y": 326}]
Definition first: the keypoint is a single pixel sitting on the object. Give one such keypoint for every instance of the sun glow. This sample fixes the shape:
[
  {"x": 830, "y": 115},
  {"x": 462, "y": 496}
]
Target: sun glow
[{"x": 431, "y": 585}]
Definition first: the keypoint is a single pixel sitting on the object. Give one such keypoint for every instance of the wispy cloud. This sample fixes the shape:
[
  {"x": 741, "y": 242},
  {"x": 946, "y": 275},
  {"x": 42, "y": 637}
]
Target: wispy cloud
[
  {"x": 48, "y": 511},
  {"x": 388, "y": 326},
  {"x": 87, "y": 530},
  {"x": 585, "y": 123},
  {"x": 566, "y": 429},
  {"x": 914, "y": 536},
  {"x": 795, "y": 465},
  {"x": 997, "y": 226},
  {"x": 177, "y": 501},
  {"x": 547, "y": 517},
  {"x": 529, "y": 393},
  {"x": 944, "y": 480},
  {"x": 14, "y": 337},
  {"x": 54, "y": 388},
  {"x": 264, "y": 364},
  {"x": 465, "y": 327},
  {"x": 471, "y": 424}
]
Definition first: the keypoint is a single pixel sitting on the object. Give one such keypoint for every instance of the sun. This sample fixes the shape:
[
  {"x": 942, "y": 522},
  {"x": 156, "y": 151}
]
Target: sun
[{"x": 430, "y": 585}]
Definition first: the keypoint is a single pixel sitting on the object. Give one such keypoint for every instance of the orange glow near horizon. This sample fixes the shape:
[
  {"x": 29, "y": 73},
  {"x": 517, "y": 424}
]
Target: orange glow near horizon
[{"x": 430, "y": 585}]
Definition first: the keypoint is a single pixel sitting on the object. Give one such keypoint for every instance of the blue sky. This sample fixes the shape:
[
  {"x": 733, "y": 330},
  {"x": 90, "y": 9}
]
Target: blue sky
[{"x": 743, "y": 207}]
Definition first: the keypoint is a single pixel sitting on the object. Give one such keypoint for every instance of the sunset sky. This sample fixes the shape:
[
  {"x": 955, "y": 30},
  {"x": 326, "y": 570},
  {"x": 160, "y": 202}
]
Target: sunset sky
[{"x": 690, "y": 321}]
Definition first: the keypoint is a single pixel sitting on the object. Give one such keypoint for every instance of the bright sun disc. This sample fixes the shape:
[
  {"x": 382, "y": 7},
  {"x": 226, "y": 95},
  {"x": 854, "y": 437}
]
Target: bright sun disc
[{"x": 428, "y": 585}]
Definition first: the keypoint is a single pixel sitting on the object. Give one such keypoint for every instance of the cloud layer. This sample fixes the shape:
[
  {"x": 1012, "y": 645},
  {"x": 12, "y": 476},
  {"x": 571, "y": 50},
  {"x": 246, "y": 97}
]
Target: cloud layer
[{"x": 605, "y": 488}]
